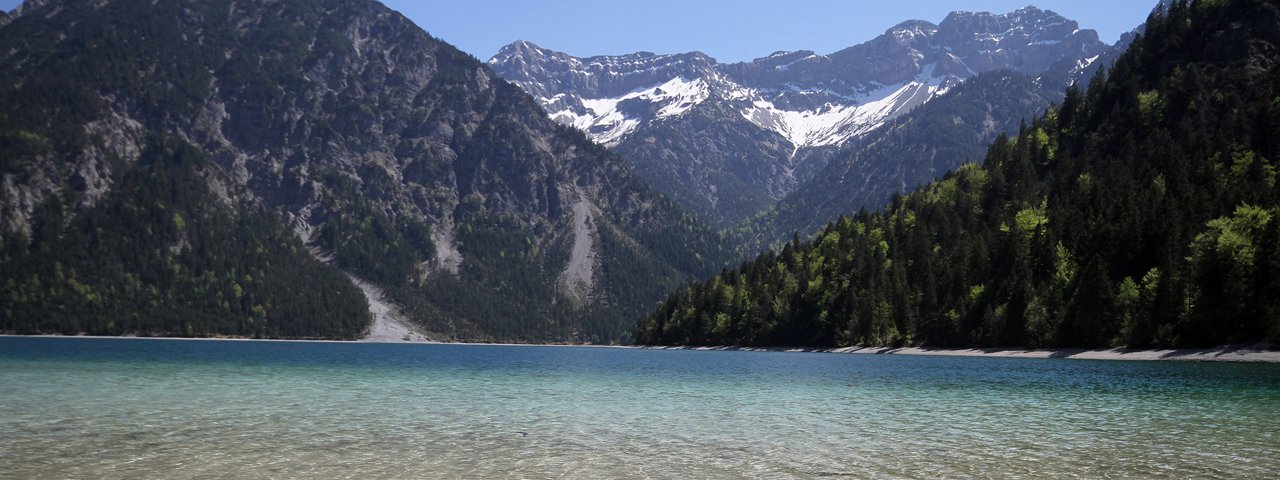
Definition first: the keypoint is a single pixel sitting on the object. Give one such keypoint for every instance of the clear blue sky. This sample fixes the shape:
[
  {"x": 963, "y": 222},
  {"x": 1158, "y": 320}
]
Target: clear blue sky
[{"x": 729, "y": 30}]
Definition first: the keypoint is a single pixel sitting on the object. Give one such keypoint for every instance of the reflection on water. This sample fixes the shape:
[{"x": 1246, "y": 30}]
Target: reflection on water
[{"x": 148, "y": 408}]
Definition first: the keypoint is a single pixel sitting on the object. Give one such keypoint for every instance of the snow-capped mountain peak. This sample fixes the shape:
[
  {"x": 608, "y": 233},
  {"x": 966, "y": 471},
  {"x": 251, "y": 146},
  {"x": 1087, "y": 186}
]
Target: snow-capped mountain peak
[
  {"x": 727, "y": 139},
  {"x": 809, "y": 99}
]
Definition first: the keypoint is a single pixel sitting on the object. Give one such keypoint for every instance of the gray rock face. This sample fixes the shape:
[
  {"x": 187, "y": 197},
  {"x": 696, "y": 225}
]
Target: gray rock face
[
  {"x": 548, "y": 73},
  {"x": 1028, "y": 41},
  {"x": 799, "y": 107}
]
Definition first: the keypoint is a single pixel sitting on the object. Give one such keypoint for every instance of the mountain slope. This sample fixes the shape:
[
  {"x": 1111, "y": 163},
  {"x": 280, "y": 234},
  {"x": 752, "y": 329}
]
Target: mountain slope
[
  {"x": 392, "y": 154},
  {"x": 913, "y": 150},
  {"x": 154, "y": 256},
  {"x": 726, "y": 140},
  {"x": 1142, "y": 212}
]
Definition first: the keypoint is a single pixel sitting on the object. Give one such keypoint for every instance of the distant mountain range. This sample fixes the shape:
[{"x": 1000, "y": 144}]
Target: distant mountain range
[{"x": 728, "y": 141}]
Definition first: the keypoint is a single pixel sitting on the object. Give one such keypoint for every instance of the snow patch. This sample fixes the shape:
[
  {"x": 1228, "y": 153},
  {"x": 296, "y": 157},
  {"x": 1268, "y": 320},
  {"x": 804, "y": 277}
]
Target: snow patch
[
  {"x": 1085, "y": 62},
  {"x": 606, "y": 124},
  {"x": 836, "y": 124}
]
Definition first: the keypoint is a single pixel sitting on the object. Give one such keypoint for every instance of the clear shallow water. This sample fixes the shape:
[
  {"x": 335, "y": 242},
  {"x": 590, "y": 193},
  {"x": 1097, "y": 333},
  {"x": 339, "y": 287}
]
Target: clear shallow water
[{"x": 87, "y": 408}]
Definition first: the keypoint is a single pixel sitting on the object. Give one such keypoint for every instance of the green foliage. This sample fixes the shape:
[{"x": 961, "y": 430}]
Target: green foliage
[
  {"x": 1140, "y": 214},
  {"x": 1150, "y": 106},
  {"x": 1028, "y": 222}
]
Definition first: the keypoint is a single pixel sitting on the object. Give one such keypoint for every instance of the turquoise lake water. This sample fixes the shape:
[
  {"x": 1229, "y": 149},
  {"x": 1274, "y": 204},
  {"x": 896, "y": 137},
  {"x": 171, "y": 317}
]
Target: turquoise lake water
[{"x": 90, "y": 408}]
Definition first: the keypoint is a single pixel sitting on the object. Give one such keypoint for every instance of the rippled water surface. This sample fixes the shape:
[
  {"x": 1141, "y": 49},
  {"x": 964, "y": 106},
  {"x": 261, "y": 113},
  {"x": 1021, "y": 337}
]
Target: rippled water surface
[{"x": 87, "y": 408}]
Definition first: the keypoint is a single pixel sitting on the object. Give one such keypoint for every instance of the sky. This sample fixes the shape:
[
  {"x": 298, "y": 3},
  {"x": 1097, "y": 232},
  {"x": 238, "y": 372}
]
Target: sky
[{"x": 729, "y": 30}]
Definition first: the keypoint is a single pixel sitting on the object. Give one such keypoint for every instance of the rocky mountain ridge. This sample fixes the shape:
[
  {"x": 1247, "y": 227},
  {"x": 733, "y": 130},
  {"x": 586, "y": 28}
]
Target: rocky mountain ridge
[{"x": 781, "y": 117}]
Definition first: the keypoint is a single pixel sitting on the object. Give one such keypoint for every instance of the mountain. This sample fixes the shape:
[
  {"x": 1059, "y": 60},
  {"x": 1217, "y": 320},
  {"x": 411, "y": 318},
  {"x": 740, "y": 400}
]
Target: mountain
[
  {"x": 1143, "y": 211},
  {"x": 729, "y": 140},
  {"x": 910, "y": 151},
  {"x": 343, "y": 135}
]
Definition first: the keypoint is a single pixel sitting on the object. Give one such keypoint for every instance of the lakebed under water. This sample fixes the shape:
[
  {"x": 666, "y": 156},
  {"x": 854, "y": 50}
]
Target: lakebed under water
[{"x": 120, "y": 408}]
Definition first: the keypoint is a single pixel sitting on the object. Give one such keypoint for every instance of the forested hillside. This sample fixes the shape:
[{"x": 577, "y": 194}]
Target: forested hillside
[
  {"x": 161, "y": 255},
  {"x": 336, "y": 127},
  {"x": 1141, "y": 212}
]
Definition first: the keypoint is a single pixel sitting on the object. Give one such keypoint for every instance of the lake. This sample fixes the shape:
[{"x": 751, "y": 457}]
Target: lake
[{"x": 121, "y": 408}]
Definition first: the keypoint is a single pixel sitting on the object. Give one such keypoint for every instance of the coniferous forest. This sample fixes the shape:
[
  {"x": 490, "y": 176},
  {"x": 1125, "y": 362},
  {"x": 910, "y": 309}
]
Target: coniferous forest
[
  {"x": 156, "y": 257},
  {"x": 1143, "y": 211}
]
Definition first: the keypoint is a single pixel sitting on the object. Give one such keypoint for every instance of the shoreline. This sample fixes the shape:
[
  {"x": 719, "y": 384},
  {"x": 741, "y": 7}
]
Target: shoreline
[
  {"x": 1251, "y": 353},
  {"x": 359, "y": 341}
]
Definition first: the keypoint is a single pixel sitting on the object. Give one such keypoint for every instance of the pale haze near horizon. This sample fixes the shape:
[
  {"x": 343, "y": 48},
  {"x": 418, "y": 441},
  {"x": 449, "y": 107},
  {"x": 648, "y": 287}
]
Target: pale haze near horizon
[{"x": 730, "y": 31}]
